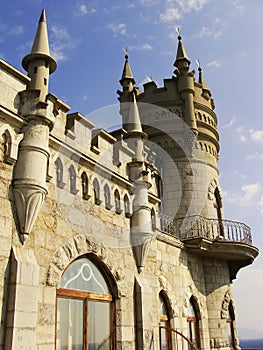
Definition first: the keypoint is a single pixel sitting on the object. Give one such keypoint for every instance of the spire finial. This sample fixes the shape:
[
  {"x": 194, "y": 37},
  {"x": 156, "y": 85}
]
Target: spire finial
[
  {"x": 42, "y": 17},
  {"x": 182, "y": 61},
  {"x": 127, "y": 80},
  {"x": 179, "y": 34}
]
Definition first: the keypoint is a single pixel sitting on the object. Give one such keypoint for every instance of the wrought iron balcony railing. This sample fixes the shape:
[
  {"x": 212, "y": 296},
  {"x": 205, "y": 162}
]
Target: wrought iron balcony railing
[{"x": 197, "y": 226}]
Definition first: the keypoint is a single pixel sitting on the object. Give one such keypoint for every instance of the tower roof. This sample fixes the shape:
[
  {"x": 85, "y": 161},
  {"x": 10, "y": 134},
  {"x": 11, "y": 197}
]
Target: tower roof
[
  {"x": 40, "y": 48},
  {"x": 181, "y": 54},
  {"x": 201, "y": 79},
  {"x": 127, "y": 72},
  {"x": 134, "y": 127}
]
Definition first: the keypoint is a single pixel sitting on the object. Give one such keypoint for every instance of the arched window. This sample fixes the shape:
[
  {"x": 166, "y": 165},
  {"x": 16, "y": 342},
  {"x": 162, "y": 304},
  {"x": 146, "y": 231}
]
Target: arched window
[
  {"x": 96, "y": 188},
  {"x": 117, "y": 202},
  {"x": 218, "y": 206},
  {"x": 85, "y": 186},
  {"x": 230, "y": 320},
  {"x": 164, "y": 325},
  {"x": 85, "y": 310},
  {"x": 153, "y": 219},
  {"x": 59, "y": 173},
  {"x": 107, "y": 198},
  {"x": 193, "y": 323},
  {"x": 127, "y": 206},
  {"x": 72, "y": 180}
]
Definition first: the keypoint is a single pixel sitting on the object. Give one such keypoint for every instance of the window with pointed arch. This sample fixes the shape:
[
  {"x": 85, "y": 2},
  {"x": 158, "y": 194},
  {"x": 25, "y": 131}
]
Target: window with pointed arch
[
  {"x": 85, "y": 316},
  {"x": 164, "y": 325},
  {"x": 193, "y": 323},
  {"x": 230, "y": 320},
  {"x": 218, "y": 207}
]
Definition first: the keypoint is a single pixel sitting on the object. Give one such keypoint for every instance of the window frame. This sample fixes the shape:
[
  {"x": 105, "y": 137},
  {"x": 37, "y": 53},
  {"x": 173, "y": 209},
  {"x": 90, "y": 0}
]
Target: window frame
[
  {"x": 194, "y": 320},
  {"x": 86, "y": 297}
]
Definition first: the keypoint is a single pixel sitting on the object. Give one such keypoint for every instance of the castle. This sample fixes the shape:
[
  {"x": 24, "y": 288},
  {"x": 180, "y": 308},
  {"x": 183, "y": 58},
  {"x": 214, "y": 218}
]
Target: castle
[{"x": 114, "y": 240}]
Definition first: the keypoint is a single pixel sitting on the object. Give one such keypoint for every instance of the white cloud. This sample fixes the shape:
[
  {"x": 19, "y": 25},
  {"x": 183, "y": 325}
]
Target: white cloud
[
  {"x": 246, "y": 196},
  {"x": 59, "y": 32},
  {"x": 255, "y": 156},
  {"x": 191, "y": 5},
  {"x": 141, "y": 47},
  {"x": 83, "y": 10},
  {"x": 170, "y": 15},
  {"x": 215, "y": 63},
  {"x": 230, "y": 123},
  {"x": 256, "y": 135},
  {"x": 61, "y": 43},
  {"x": 118, "y": 28},
  {"x": 149, "y": 3},
  {"x": 17, "y": 30},
  {"x": 241, "y": 134}
]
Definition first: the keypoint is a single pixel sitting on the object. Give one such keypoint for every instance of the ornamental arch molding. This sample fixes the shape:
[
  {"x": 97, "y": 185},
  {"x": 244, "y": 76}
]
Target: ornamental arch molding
[
  {"x": 225, "y": 305},
  {"x": 76, "y": 247},
  {"x": 167, "y": 291},
  {"x": 190, "y": 293},
  {"x": 211, "y": 189}
]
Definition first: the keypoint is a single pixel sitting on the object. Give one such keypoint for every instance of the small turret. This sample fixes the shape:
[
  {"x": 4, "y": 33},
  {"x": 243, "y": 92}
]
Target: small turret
[
  {"x": 182, "y": 61},
  {"x": 39, "y": 64},
  {"x": 185, "y": 83},
  {"x": 127, "y": 81},
  {"x": 206, "y": 92},
  {"x": 29, "y": 181}
]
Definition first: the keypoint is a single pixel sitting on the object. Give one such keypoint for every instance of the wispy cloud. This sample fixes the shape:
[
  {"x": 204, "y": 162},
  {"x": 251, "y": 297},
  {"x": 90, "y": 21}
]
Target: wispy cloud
[
  {"x": 118, "y": 28},
  {"x": 61, "y": 42},
  {"x": 17, "y": 30},
  {"x": 170, "y": 15},
  {"x": 141, "y": 47},
  {"x": 241, "y": 134},
  {"x": 256, "y": 135},
  {"x": 175, "y": 9},
  {"x": 215, "y": 63},
  {"x": 252, "y": 135},
  {"x": 255, "y": 156},
  {"x": 230, "y": 123},
  {"x": 83, "y": 10},
  {"x": 246, "y": 196}
]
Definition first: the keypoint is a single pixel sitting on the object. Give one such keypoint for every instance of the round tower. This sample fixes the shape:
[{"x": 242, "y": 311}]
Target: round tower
[
  {"x": 29, "y": 181},
  {"x": 180, "y": 121}
]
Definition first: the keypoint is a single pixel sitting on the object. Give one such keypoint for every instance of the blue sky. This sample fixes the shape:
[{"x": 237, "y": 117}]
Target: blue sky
[{"x": 86, "y": 39}]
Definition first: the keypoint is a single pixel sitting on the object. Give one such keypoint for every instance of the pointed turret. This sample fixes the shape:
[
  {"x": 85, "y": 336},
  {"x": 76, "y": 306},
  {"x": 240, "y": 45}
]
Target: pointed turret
[
  {"x": 182, "y": 61},
  {"x": 127, "y": 81},
  {"x": 206, "y": 92},
  {"x": 39, "y": 63}
]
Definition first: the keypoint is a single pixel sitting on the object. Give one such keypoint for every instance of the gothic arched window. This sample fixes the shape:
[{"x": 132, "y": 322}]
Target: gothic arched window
[
  {"x": 193, "y": 323},
  {"x": 85, "y": 309},
  {"x": 96, "y": 188},
  {"x": 153, "y": 219},
  {"x": 127, "y": 206},
  {"x": 230, "y": 320},
  {"x": 72, "y": 180},
  {"x": 117, "y": 202},
  {"x": 165, "y": 335},
  {"x": 59, "y": 173},
  {"x": 85, "y": 186},
  {"x": 218, "y": 206},
  {"x": 107, "y": 198}
]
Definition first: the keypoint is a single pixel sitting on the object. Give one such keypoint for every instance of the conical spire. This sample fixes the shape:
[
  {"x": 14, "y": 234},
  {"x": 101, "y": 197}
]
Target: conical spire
[
  {"x": 134, "y": 122},
  {"x": 182, "y": 59},
  {"x": 127, "y": 80},
  {"x": 201, "y": 80},
  {"x": 40, "y": 48}
]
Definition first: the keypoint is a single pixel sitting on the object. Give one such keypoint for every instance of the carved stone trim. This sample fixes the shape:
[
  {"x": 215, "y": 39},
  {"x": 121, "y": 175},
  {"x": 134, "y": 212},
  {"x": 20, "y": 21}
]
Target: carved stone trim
[
  {"x": 225, "y": 305},
  {"x": 75, "y": 247},
  {"x": 28, "y": 201}
]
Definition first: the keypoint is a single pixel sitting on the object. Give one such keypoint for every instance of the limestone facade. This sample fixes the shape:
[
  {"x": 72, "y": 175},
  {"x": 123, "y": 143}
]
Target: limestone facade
[{"x": 142, "y": 203}]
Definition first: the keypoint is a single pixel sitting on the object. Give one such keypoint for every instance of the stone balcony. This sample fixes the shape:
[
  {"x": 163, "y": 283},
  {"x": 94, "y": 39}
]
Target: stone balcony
[{"x": 225, "y": 239}]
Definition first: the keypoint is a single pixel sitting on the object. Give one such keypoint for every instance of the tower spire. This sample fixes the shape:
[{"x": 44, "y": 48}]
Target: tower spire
[
  {"x": 127, "y": 80},
  {"x": 39, "y": 64},
  {"x": 40, "y": 48},
  {"x": 181, "y": 60},
  {"x": 206, "y": 92}
]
